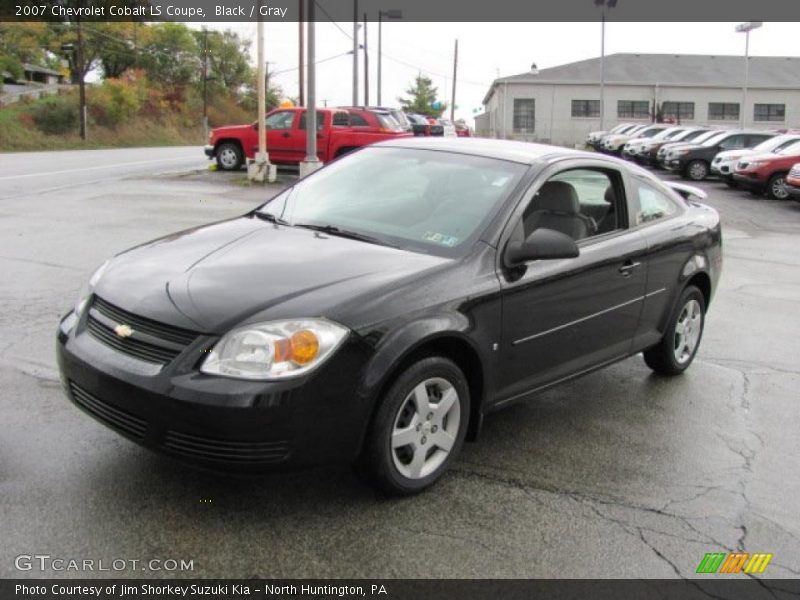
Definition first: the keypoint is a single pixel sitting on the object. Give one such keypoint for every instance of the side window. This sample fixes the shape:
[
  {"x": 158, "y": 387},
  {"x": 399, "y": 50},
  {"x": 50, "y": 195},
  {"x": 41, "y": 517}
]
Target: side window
[
  {"x": 280, "y": 120},
  {"x": 755, "y": 140},
  {"x": 341, "y": 119},
  {"x": 320, "y": 121},
  {"x": 581, "y": 203},
  {"x": 652, "y": 205},
  {"x": 357, "y": 120},
  {"x": 733, "y": 142}
]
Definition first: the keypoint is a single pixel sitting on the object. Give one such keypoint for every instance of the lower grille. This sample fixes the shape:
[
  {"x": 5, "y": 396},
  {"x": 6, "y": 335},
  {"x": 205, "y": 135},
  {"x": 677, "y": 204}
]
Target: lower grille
[
  {"x": 110, "y": 415},
  {"x": 224, "y": 450}
]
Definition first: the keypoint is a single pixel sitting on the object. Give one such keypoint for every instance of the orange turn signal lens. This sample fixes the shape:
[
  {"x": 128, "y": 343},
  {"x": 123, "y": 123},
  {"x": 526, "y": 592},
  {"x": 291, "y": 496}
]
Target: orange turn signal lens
[{"x": 304, "y": 347}]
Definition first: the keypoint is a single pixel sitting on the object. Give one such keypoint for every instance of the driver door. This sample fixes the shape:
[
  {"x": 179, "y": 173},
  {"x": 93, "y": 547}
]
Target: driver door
[{"x": 565, "y": 316}]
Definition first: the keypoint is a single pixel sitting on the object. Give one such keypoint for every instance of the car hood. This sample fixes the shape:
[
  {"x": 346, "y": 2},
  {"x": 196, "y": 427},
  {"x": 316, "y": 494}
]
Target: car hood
[
  {"x": 211, "y": 278},
  {"x": 753, "y": 157},
  {"x": 231, "y": 129}
]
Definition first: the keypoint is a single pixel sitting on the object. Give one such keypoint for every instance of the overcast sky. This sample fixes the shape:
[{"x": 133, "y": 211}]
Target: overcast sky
[{"x": 488, "y": 49}]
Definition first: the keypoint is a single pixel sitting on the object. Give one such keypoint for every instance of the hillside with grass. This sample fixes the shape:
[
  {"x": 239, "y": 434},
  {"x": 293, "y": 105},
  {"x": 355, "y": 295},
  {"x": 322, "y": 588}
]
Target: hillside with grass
[{"x": 150, "y": 83}]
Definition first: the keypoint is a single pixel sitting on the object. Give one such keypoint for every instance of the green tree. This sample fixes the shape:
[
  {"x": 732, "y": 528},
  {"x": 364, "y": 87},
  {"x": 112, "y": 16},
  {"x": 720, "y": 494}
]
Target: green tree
[
  {"x": 226, "y": 55},
  {"x": 22, "y": 43},
  {"x": 170, "y": 55},
  {"x": 422, "y": 97}
]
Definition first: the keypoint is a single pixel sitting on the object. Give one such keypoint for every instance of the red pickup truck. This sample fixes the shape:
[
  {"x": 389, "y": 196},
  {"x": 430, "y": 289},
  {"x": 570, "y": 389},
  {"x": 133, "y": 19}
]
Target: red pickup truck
[{"x": 338, "y": 131}]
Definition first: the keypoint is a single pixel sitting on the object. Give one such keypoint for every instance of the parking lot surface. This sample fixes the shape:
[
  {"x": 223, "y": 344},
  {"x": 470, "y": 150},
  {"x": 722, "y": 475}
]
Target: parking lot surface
[{"x": 617, "y": 474}]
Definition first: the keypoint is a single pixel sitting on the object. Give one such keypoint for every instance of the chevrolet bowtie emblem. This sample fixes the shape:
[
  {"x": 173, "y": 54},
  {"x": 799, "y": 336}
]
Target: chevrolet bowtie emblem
[{"x": 123, "y": 331}]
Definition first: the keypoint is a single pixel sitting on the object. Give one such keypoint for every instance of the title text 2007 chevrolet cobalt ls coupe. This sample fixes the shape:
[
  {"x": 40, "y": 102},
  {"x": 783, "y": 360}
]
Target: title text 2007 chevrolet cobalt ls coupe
[{"x": 378, "y": 309}]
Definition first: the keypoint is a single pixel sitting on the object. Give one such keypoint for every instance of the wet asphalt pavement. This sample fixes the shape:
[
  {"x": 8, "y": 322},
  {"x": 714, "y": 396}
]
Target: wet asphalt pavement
[{"x": 617, "y": 474}]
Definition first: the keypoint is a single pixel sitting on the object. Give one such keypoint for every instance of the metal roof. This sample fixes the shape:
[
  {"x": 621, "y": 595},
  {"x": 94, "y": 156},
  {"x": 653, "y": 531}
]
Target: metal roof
[{"x": 693, "y": 70}]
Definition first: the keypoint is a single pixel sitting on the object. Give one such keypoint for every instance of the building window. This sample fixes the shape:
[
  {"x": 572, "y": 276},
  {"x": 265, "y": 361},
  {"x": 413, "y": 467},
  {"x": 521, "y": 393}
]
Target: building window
[
  {"x": 586, "y": 108},
  {"x": 679, "y": 111},
  {"x": 524, "y": 115},
  {"x": 769, "y": 112},
  {"x": 633, "y": 109},
  {"x": 723, "y": 111}
]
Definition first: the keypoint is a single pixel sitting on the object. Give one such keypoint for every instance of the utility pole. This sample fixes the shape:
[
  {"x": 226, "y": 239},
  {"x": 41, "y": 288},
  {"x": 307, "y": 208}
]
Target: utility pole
[
  {"x": 455, "y": 74},
  {"x": 205, "y": 82},
  {"x": 746, "y": 28},
  {"x": 389, "y": 14},
  {"x": 609, "y": 4},
  {"x": 260, "y": 169},
  {"x": 355, "y": 53},
  {"x": 81, "y": 83},
  {"x": 311, "y": 162},
  {"x": 301, "y": 58},
  {"x": 366, "y": 64}
]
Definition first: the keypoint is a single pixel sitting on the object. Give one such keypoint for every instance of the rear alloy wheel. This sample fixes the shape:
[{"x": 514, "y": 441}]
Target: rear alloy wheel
[
  {"x": 697, "y": 170},
  {"x": 776, "y": 188},
  {"x": 419, "y": 427},
  {"x": 677, "y": 348},
  {"x": 229, "y": 157}
]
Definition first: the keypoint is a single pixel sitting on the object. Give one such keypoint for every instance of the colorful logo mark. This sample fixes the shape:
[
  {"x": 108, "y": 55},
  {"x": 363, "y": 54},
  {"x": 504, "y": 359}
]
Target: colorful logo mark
[{"x": 735, "y": 562}]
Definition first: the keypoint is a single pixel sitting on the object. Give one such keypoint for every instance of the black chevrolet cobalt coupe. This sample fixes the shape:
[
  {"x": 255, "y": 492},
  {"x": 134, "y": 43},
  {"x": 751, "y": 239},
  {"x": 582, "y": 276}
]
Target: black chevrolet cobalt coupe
[{"x": 375, "y": 311}]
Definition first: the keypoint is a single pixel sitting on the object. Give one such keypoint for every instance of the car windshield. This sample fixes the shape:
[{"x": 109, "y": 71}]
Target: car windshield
[
  {"x": 669, "y": 134},
  {"x": 420, "y": 200},
  {"x": 789, "y": 149},
  {"x": 714, "y": 139},
  {"x": 776, "y": 144},
  {"x": 703, "y": 136},
  {"x": 693, "y": 134},
  {"x": 648, "y": 133}
]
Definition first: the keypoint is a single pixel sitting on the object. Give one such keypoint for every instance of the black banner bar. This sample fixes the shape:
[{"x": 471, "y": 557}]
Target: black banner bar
[
  {"x": 206, "y": 11},
  {"x": 399, "y": 589}
]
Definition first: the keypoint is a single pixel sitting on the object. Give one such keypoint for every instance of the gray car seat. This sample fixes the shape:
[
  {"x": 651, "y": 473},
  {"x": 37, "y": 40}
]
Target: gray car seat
[{"x": 556, "y": 206}]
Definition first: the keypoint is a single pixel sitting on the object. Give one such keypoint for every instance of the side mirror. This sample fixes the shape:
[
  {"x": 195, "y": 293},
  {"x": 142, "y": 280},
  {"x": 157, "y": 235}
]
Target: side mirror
[{"x": 542, "y": 244}]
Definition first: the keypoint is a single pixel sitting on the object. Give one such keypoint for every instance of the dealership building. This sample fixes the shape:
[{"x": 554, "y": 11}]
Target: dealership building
[{"x": 561, "y": 104}]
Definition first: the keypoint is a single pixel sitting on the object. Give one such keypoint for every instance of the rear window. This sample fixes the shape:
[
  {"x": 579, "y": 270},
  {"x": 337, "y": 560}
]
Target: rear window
[{"x": 387, "y": 121}]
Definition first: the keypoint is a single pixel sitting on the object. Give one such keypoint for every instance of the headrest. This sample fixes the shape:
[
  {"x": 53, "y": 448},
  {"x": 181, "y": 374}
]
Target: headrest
[
  {"x": 558, "y": 196},
  {"x": 610, "y": 196}
]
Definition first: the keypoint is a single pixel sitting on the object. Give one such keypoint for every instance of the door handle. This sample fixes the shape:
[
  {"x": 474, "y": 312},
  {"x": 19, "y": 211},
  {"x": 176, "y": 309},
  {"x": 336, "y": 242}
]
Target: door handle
[
  {"x": 286, "y": 134},
  {"x": 629, "y": 267}
]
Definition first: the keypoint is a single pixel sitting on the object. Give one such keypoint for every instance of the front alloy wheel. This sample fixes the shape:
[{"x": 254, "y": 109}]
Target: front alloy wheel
[
  {"x": 697, "y": 170},
  {"x": 426, "y": 427},
  {"x": 419, "y": 427},
  {"x": 229, "y": 157},
  {"x": 776, "y": 188}
]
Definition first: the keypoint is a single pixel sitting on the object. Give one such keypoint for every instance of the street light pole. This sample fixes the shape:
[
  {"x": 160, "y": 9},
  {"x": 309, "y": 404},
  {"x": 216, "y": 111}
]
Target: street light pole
[
  {"x": 389, "y": 14},
  {"x": 603, "y": 4},
  {"x": 366, "y": 64},
  {"x": 311, "y": 162},
  {"x": 260, "y": 169},
  {"x": 355, "y": 52},
  {"x": 746, "y": 28}
]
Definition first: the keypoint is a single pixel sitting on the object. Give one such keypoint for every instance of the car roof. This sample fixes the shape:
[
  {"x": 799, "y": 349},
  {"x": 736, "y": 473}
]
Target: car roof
[{"x": 514, "y": 151}]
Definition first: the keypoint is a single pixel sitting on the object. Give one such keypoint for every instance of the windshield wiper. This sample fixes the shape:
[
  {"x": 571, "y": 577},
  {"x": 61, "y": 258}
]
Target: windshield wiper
[
  {"x": 265, "y": 216},
  {"x": 345, "y": 233}
]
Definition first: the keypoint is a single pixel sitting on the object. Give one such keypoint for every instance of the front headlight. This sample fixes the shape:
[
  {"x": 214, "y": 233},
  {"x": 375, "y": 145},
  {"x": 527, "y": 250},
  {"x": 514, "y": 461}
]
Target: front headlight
[
  {"x": 274, "y": 350},
  {"x": 681, "y": 152},
  {"x": 88, "y": 288}
]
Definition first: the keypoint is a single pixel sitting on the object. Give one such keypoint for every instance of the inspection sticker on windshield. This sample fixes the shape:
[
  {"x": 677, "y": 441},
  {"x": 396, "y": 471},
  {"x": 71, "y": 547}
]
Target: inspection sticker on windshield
[{"x": 440, "y": 238}]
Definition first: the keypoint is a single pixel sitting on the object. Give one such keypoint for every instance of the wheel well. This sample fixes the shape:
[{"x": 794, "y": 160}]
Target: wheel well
[
  {"x": 463, "y": 355},
  {"x": 344, "y": 150},
  {"x": 231, "y": 141},
  {"x": 703, "y": 283}
]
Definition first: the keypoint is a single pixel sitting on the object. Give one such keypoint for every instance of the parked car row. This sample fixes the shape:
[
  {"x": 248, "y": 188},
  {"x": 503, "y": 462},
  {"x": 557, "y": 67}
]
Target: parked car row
[
  {"x": 340, "y": 130},
  {"x": 757, "y": 160}
]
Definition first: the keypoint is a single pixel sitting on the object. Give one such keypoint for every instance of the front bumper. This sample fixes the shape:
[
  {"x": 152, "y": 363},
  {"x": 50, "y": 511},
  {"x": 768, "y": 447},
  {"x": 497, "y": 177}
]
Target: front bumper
[
  {"x": 793, "y": 191},
  {"x": 675, "y": 164},
  {"x": 216, "y": 422},
  {"x": 749, "y": 180},
  {"x": 209, "y": 151}
]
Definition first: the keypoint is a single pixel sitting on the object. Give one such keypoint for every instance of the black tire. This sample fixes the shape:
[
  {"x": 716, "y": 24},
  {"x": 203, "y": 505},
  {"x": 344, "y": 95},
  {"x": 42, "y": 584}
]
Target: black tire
[
  {"x": 378, "y": 459},
  {"x": 697, "y": 170},
  {"x": 661, "y": 357},
  {"x": 775, "y": 187},
  {"x": 731, "y": 183},
  {"x": 229, "y": 156}
]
